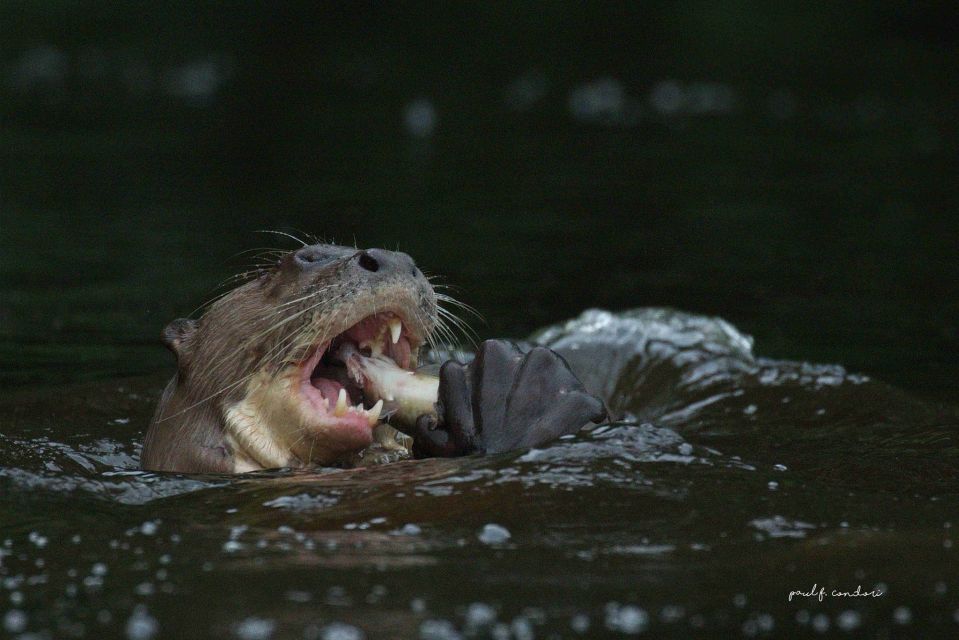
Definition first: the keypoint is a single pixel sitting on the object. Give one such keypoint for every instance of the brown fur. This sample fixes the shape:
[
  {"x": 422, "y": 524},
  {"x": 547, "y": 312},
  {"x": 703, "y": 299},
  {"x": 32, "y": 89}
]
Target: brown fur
[{"x": 265, "y": 326}]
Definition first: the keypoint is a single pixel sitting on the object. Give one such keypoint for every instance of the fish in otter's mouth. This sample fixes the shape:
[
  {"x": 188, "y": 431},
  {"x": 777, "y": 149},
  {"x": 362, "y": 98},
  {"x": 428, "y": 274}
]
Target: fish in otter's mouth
[{"x": 347, "y": 380}]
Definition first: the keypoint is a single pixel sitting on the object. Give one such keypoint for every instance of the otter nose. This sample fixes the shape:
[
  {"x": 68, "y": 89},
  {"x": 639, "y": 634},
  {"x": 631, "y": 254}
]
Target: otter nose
[{"x": 385, "y": 262}]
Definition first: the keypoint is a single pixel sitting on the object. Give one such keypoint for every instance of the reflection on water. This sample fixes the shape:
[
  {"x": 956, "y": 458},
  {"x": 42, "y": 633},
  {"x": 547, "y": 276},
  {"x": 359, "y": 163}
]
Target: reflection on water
[{"x": 727, "y": 488}]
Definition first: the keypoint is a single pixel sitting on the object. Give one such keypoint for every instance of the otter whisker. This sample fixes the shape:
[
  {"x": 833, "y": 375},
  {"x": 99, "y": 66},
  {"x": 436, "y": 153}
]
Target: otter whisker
[
  {"x": 460, "y": 304},
  {"x": 459, "y": 323},
  {"x": 282, "y": 233},
  {"x": 260, "y": 335}
]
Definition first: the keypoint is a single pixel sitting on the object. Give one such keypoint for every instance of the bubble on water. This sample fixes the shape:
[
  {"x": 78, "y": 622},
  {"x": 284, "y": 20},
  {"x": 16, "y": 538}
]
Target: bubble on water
[
  {"x": 337, "y": 596},
  {"x": 16, "y": 598},
  {"x": 672, "y": 613},
  {"x": 779, "y": 467},
  {"x": 418, "y": 605},
  {"x": 667, "y": 97},
  {"x": 709, "y": 97},
  {"x": 420, "y": 118},
  {"x": 410, "y": 529},
  {"x": 780, "y": 527},
  {"x": 232, "y": 546},
  {"x": 93, "y": 582},
  {"x": 686, "y": 449},
  {"x": 40, "y": 68},
  {"x": 603, "y": 101},
  {"x": 376, "y": 594},
  {"x": 99, "y": 569},
  {"x": 480, "y": 614},
  {"x": 150, "y": 527},
  {"x": 820, "y": 623},
  {"x": 849, "y": 620},
  {"x": 761, "y": 623},
  {"x": 740, "y": 600},
  {"x": 295, "y": 595},
  {"x": 772, "y": 485},
  {"x": 14, "y": 621},
  {"x": 765, "y": 622},
  {"x": 438, "y": 630},
  {"x": 12, "y": 582},
  {"x": 199, "y": 80},
  {"x": 579, "y": 623},
  {"x": 750, "y": 410},
  {"x": 254, "y": 628},
  {"x": 628, "y": 619},
  {"x": 493, "y": 534},
  {"x": 522, "y": 628},
  {"x": 145, "y": 589},
  {"x": 341, "y": 631},
  {"x": 37, "y": 539},
  {"x": 902, "y": 615},
  {"x": 141, "y": 625}
]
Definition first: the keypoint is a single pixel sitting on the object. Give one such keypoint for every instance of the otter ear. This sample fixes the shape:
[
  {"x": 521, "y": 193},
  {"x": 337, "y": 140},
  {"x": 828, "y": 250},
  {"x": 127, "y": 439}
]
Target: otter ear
[{"x": 177, "y": 336}]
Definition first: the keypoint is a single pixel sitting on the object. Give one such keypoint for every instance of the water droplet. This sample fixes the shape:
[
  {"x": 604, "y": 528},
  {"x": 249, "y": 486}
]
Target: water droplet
[
  {"x": 141, "y": 625},
  {"x": 493, "y": 534}
]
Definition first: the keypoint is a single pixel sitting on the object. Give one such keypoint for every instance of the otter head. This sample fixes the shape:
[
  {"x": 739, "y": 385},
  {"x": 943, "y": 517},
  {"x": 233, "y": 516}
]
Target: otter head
[{"x": 259, "y": 382}]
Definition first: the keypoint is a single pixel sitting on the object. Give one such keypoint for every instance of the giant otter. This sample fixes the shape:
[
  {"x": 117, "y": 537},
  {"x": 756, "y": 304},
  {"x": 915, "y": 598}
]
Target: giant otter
[{"x": 301, "y": 365}]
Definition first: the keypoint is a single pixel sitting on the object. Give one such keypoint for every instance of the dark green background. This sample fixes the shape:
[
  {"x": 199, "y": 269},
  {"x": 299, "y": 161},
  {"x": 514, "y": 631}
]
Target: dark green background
[{"x": 817, "y": 212}]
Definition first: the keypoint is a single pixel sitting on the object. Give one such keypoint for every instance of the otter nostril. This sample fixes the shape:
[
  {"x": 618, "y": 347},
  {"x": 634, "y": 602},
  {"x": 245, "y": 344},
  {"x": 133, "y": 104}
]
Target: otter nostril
[{"x": 368, "y": 262}]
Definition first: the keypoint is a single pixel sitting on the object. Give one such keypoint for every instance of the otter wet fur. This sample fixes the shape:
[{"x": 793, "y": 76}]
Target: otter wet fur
[
  {"x": 257, "y": 383},
  {"x": 300, "y": 367}
]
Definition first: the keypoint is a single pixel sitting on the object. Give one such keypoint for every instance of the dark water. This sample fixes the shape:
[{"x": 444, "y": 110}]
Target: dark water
[
  {"x": 733, "y": 481},
  {"x": 791, "y": 173}
]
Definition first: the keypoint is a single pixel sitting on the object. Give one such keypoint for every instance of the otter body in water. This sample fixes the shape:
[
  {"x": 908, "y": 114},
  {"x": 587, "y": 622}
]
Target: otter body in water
[{"x": 299, "y": 367}]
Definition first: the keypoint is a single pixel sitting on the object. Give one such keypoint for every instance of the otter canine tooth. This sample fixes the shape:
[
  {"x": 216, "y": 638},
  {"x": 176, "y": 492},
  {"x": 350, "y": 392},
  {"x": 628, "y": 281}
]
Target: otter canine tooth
[
  {"x": 395, "y": 328},
  {"x": 373, "y": 415},
  {"x": 340, "y": 404}
]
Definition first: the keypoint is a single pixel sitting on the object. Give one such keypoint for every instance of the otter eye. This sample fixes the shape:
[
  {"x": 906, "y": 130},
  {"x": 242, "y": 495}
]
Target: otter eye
[{"x": 311, "y": 257}]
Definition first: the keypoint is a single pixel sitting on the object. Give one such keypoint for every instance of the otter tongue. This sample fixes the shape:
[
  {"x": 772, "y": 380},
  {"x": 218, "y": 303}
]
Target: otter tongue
[
  {"x": 329, "y": 389},
  {"x": 407, "y": 394}
]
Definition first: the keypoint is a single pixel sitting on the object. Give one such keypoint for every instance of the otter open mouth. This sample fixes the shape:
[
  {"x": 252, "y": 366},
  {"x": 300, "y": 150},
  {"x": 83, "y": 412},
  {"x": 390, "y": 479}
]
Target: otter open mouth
[{"x": 366, "y": 374}]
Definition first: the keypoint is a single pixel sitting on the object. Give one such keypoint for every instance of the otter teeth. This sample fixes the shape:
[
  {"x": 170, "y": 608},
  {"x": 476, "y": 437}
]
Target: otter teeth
[
  {"x": 341, "y": 405},
  {"x": 373, "y": 414},
  {"x": 396, "y": 327}
]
